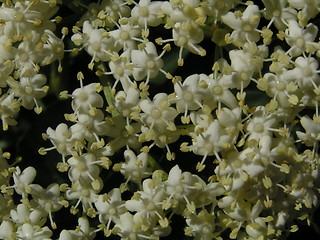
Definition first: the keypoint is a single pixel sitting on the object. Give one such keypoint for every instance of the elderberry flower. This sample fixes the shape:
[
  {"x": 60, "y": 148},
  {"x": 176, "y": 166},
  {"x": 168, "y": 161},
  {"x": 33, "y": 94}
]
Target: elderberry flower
[
  {"x": 113, "y": 10},
  {"x": 9, "y": 107},
  {"x": 121, "y": 69},
  {"x": 193, "y": 93},
  {"x": 23, "y": 213},
  {"x": 33, "y": 232},
  {"x": 86, "y": 98},
  {"x": 23, "y": 180},
  {"x": 83, "y": 231},
  {"x": 62, "y": 141},
  {"x": 146, "y": 62},
  {"x": 29, "y": 89},
  {"x": 85, "y": 192},
  {"x": 278, "y": 13},
  {"x": 312, "y": 131},
  {"x": 301, "y": 39},
  {"x": 97, "y": 42},
  {"x": 110, "y": 206},
  {"x": 148, "y": 205},
  {"x": 158, "y": 114},
  {"x": 83, "y": 168},
  {"x": 89, "y": 127},
  {"x": 201, "y": 226},
  {"x": 147, "y": 13},
  {"x": 135, "y": 167},
  {"x": 244, "y": 25},
  {"x": 308, "y": 9}
]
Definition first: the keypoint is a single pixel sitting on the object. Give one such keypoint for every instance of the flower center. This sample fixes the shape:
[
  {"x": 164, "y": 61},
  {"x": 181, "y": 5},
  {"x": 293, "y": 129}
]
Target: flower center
[
  {"x": 150, "y": 206},
  {"x": 81, "y": 166},
  {"x": 188, "y": 96},
  {"x": 48, "y": 206},
  {"x": 307, "y": 71},
  {"x": 96, "y": 46},
  {"x": 83, "y": 96},
  {"x": 61, "y": 147},
  {"x": 88, "y": 124},
  {"x": 156, "y": 113},
  {"x": 178, "y": 188},
  {"x": 280, "y": 86},
  {"x": 246, "y": 27},
  {"x": 136, "y": 174},
  {"x": 300, "y": 42},
  {"x": 258, "y": 127},
  {"x": 119, "y": 71},
  {"x": 115, "y": 7},
  {"x": 29, "y": 90},
  {"x": 217, "y": 90},
  {"x": 182, "y": 41},
  {"x": 151, "y": 64},
  {"x": 23, "y": 57},
  {"x": 124, "y": 35},
  {"x": 112, "y": 211}
]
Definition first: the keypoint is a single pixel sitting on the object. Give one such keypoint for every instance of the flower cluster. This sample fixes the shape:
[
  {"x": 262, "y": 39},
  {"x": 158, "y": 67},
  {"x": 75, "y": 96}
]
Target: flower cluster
[
  {"x": 239, "y": 143},
  {"x": 27, "y": 43}
]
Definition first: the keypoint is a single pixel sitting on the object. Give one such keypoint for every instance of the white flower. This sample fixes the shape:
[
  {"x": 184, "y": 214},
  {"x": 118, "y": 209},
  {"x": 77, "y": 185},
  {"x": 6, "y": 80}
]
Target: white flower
[
  {"x": 308, "y": 9},
  {"x": 146, "y": 62},
  {"x": 136, "y": 166},
  {"x": 29, "y": 89},
  {"x": 306, "y": 73},
  {"x": 147, "y": 13},
  {"x": 53, "y": 48},
  {"x": 278, "y": 13},
  {"x": 193, "y": 93},
  {"x": 125, "y": 101},
  {"x": 113, "y": 10},
  {"x": 121, "y": 69},
  {"x": 33, "y": 232},
  {"x": 83, "y": 231},
  {"x": 243, "y": 68},
  {"x": 49, "y": 199},
  {"x": 85, "y": 192},
  {"x": 97, "y": 42},
  {"x": 122, "y": 135},
  {"x": 217, "y": 8},
  {"x": 23, "y": 213},
  {"x": 126, "y": 35},
  {"x": 301, "y": 39},
  {"x": 110, "y": 206},
  {"x": 83, "y": 167},
  {"x": 86, "y": 98},
  {"x": 187, "y": 35},
  {"x": 221, "y": 92},
  {"x": 9, "y": 107},
  {"x": 158, "y": 114},
  {"x": 245, "y": 25},
  {"x": 23, "y": 180},
  {"x": 89, "y": 127},
  {"x": 148, "y": 205},
  {"x": 201, "y": 226},
  {"x": 182, "y": 186},
  {"x": 312, "y": 131},
  {"x": 7, "y": 230},
  {"x": 260, "y": 124}
]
